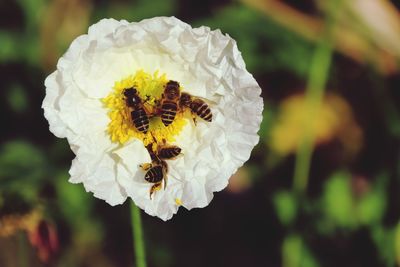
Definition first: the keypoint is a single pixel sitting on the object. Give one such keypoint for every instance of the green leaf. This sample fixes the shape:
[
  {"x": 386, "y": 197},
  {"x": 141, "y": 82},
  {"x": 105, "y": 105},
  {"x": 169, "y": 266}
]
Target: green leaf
[
  {"x": 371, "y": 207},
  {"x": 137, "y": 10},
  {"x": 22, "y": 168},
  {"x": 17, "y": 98},
  {"x": 8, "y": 50},
  {"x": 268, "y": 119},
  {"x": 76, "y": 206},
  {"x": 75, "y": 203},
  {"x": 265, "y": 45},
  {"x": 386, "y": 243},
  {"x": 338, "y": 201},
  {"x": 295, "y": 253},
  {"x": 397, "y": 244},
  {"x": 285, "y": 207}
]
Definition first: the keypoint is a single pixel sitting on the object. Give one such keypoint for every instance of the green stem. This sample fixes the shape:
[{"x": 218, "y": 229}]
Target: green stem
[
  {"x": 137, "y": 229},
  {"x": 317, "y": 79},
  {"x": 318, "y": 75}
]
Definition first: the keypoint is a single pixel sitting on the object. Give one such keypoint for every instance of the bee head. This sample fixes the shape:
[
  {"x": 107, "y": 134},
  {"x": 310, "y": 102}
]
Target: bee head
[
  {"x": 177, "y": 150},
  {"x": 171, "y": 90},
  {"x": 132, "y": 98},
  {"x": 130, "y": 92}
]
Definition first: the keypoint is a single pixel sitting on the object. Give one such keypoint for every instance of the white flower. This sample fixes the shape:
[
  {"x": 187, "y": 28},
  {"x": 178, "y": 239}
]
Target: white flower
[{"x": 206, "y": 63}]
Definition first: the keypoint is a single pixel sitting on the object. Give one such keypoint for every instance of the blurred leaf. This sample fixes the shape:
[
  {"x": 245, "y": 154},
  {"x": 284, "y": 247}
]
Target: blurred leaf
[
  {"x": 76, "y": 205},
  {"x": 397, "y": 244},
  {"x": 268, "y": 118},
  {"x": 16, "y": 46},
  {"x": 296, "y": 254},
  {"x": 371, "y": 207},
  {"x": 138, "y": 10},
  {"x": 338, "y": 200},
  {"x": 265, "y": 45},
  {"x": 285, "y": 207},
  {"x": 22, "y": 166},
  {"x": 24, "y": 45},
  {"x": 17, "y": 98},
  {"x": 29, "y": 43},
  {"x": 385, "y": 242},
  {"x": 8, "y": 43},
  {"x": 32, "y": 10},
  {"x": 256, "y": 173}
]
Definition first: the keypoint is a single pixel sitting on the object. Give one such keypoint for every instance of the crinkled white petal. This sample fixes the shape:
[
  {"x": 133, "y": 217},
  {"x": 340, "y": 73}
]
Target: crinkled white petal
[{"x": 206, "y": 63}]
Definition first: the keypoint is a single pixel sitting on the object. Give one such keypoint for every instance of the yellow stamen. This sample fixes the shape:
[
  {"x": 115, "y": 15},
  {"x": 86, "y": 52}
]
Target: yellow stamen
[
  {"x": 178, "y": 201},
  {"x": 150, "y": 88}
]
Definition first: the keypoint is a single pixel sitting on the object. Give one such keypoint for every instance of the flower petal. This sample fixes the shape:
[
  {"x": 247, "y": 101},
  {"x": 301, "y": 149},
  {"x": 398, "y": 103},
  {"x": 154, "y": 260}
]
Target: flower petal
[{"x": 206, "y": 63}]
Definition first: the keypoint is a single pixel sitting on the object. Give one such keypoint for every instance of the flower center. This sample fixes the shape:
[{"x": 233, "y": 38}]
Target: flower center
[{"x": 150, "y": 89}]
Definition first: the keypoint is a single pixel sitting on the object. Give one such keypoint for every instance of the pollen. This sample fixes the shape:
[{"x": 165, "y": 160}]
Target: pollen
[
  {"x": 150, "y": 89},
  {"x": 178, "y": 201}
]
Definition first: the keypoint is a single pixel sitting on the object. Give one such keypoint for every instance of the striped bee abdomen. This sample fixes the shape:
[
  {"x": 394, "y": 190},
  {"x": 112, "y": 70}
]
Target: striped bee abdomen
[
  {"x": 140, "y": 120},
  {"x": 155, "y": 174},
  {"x": 168, "y": 112},
  {"x": 202, "y": 110},
  {"x": 169, "y": 152}
]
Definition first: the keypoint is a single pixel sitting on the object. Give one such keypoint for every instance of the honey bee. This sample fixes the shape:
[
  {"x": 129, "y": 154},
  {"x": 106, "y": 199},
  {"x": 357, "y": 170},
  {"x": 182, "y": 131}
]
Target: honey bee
[
  {"x": 156, "y": 171},
  {"x": 169, "y": 102},
  {"x": 139, "y": 115},
  {"x": 156, "y": 174},
  {"x": 169, "y": 152},
  {"x": 196, "y": 105}
]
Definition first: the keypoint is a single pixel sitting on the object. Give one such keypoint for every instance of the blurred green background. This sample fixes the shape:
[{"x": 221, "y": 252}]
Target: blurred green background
[{"x": 344, "y": 212}]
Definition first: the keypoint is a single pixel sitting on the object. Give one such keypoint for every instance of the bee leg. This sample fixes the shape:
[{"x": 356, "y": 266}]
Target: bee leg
[
  {"x": 154, "y": 188},
  {"x": 154, "y": 139},
  {"x": 146, "y": 166},
  {"x": 194, "y": 119},
  {"x": 165, "y": 181}
]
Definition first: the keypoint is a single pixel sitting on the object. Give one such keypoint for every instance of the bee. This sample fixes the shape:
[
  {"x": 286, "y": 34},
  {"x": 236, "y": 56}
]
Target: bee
[
  {"x": 169, "y": 152},
  {"x": 139, "y": 116},
  {"x": 169, "y": 102},
  {"x": 196, "y": 105},
  {"x": 156, "y": 171},
  {"x": 156, "y": 174}
]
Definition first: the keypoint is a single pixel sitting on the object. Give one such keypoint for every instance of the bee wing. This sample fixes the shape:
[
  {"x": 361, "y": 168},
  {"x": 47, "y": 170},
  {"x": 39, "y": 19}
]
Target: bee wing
[{"x": 208, "y": 101}]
